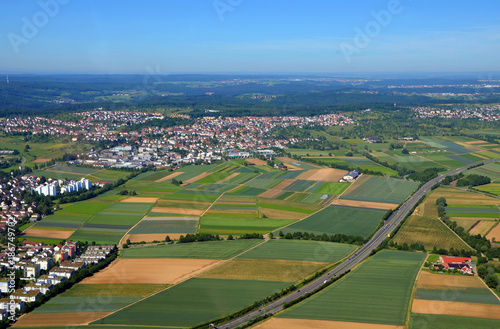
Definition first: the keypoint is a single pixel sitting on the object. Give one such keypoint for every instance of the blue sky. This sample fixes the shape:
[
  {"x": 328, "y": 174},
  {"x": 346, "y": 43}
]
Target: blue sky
[{"x": 248, "y": 36}]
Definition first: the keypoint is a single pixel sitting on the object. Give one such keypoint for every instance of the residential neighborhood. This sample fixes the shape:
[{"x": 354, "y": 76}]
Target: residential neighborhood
[{"x": 42, "y": 267}]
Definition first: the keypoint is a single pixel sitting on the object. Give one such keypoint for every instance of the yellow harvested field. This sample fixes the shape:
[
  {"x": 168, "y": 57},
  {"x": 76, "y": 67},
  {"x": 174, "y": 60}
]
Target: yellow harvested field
[
  {"x": 281, "y": 214},
  {"x": 323, "y": 175},
  {"x": 194, "y": 179},
  {"x": 54, "y": 234},
  {"x": 140, "y": 200},
  {"x": 484, "y": 311},
  {"x": 480, "y": 156},
  {"x": 495, "y": 233},
  {"x": 482, "y": 228},
  {"x": 264, "y": 270},
  {"x": 279, "y": 323},
  {"x": 270, "y": 193},
  {"x": 151, "y": 270},
  {"x": 172, "y": 175},
  {"x": 228, "y": 178},
  {"x": 59, "y": 319},
  {"x": 461, "y": 197},
  {"x": 257, "y": 162},
  {"x": 151, "y": 237},
  {"x": 476, "y": 142},
  {"x": 196, "y": 212},
  {"x": 427, "y": 280},
  {"x": 41, "y": 160},
  {"x": 364, "y": 204},
  {"x": 284, "y": 184}
]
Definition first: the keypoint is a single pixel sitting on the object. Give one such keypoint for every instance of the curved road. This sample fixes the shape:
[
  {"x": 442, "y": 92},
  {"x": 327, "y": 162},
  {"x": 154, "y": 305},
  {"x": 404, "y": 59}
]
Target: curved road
[{"x": 392, "y": 222}]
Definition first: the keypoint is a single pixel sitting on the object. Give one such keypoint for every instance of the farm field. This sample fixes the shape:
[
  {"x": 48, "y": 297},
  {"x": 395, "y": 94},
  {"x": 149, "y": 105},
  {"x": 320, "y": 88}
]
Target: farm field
[
  {"x": 381, "y": 189},
  {"x": 231, "y": 224},
  {"x": 193, "y": 302},
  {"x": 299, "y": 250},
  {"x": 433, "y": 321},
  {"x": 151, "y": 270},
  {"x": 383, "y": 295},
  {"x": 264, "y": 270},
  {"x": 466, "y": 289},
  {"x": 340, "y": 220},
  {"x": 491, "y": 188},
  {"x": 459, "y": 296},
  {"x": 430, "y": 232},
  {"x": 198, "y": 250}
]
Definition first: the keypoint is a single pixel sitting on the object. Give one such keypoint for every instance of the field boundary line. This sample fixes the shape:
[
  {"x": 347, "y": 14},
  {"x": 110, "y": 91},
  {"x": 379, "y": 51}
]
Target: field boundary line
[
  {"x": 146, "y": 215},
  {"x": 222, "y": 261},
  {"x": 414, "y": 290},
  {"x": 491, "y": 290},
  {"x": 439, "y": 219},
  {"x": 130, "y": 229}
]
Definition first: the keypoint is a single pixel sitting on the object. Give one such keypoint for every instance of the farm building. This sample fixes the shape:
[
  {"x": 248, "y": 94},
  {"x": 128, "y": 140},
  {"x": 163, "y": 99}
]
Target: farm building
[
  {"x": 460, "y": 263},
  {"x": 351, "y": 176}
]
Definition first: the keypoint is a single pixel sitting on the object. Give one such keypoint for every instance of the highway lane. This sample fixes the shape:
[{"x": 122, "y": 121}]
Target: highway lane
[{"x": 391, "y": 223}]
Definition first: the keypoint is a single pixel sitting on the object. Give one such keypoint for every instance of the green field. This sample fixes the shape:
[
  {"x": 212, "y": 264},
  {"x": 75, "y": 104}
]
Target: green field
[
  {"x": 332, "y": 188},
  {"x": 130, "y": 207},
  {"x": 431, "y": 321},
  {"x": 213, "y": 178},
  {"x": 378, "y": 291},
  {"x": 98, "y": 237},
  {"x": 165, "y": 226},
  {"x": 491, "y": 188},
  {"x": 430, "y": 232},
  {"x": 113, "y": 219},
  {"x": 84, "y": 208},
  {"x": 62, "y": 304},
  {"x": 286, "y": 208},
  {"x": 194, "y": 302},
  {"x": 239, "y": 224},
  {"x": 340, "y": 220},
  {"x": 198, "y": 250},
  {"x": 74, "y": 169},
  {"x": 459, "y": 294},
  {"x": 382, "y": 189},
  {"x": 308, "y": 251}
]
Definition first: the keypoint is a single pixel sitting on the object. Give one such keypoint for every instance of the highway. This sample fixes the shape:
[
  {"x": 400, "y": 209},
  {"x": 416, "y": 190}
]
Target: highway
[{"x": 391, "y": 223}]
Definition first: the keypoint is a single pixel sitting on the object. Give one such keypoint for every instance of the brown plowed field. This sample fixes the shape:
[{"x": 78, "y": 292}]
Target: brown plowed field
[
  {"x": 54, "y": 234},
  {"x": 140, "y": 200},
  {"x": 152, "y": 237},
  {"x": 481, "y": 228},
  {"x": 476, "y": 142},
  {"x": 365, "y": 204},
  {"x": 194, "y": 179},
  {"x": 282, "y": 214},
  {"x": 172, "y": 210},
  {"x": 284, "y": 184},
  {"x": 257, "y": 162},
  {"x": 151, "y": 270},
  {"x": 41, "y": 160},
  {"x": 279, "y": 323},
  {"x": 484, "y": 311},
  {"x": 270, "y": 193},
  {"x": 495, "y": 233},
  {"x": 59, "y": 319},
  {"x": 323, "y": 175},
  {"x": 172, "y": 175},
  {"x": 428, "y": 280}
]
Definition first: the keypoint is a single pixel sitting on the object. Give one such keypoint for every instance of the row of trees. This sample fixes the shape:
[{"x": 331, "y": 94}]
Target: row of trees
[{"x": 341, "y": 238}]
